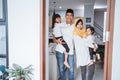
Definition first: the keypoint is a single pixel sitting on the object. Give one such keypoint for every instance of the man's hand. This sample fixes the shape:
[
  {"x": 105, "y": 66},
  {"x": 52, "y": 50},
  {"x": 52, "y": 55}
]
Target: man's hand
[{"x": 58, "y": 41}]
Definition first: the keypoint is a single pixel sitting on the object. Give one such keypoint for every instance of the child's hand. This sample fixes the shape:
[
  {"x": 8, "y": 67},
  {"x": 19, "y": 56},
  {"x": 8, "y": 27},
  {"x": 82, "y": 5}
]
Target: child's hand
[
  {"x": 91, "y": 62},
  {"x": 95, "y": 48},
  {"x": 98, "y": 56}
]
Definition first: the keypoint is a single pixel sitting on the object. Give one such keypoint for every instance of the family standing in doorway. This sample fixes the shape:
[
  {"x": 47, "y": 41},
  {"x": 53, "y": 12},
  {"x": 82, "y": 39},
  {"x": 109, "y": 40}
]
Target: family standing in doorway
[{"x": 71, "y": 35}]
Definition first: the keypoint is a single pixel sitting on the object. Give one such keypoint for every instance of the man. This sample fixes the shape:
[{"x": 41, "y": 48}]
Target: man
[{"x": 67, "y": 33}]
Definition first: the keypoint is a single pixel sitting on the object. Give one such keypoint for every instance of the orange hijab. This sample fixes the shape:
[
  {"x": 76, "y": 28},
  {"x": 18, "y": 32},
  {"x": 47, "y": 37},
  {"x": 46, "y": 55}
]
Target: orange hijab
[{"x": 79, "y": 32}]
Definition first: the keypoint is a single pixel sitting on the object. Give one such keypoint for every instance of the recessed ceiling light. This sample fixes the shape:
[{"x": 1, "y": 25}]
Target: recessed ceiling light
[{"x": 60, "y": 7}]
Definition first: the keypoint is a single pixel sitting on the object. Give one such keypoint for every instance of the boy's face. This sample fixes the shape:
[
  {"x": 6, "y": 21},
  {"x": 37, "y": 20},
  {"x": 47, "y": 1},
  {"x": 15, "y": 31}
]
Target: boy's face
[
  {"x": 69, "y": 18},
  {"x": 89, "y": 32},
  {"x": 58, "y": 20}
]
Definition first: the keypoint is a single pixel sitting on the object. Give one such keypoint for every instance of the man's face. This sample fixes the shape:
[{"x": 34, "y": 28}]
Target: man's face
[{"x": 69, "y": 18}]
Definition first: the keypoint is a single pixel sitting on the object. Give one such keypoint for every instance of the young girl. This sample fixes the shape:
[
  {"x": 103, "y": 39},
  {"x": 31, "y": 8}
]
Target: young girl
[
  {"x": 58, "y": 35},
  {"x": 87, "y": 35}
]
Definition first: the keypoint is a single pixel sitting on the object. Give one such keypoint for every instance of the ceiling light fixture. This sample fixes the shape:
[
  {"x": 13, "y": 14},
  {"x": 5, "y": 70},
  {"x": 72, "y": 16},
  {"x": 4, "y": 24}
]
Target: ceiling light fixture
[{"x": 60, "y": 7}]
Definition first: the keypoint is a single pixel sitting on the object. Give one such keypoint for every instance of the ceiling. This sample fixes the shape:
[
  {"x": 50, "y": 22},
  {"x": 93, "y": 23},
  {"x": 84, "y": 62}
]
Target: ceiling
[{"x": 74, "y": 4}]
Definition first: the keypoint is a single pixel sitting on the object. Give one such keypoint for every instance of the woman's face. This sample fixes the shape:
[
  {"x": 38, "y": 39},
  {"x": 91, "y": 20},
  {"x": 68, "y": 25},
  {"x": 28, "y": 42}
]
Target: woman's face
[
  {"x": 79, "y": 25},
  {"x": 89, "y": 32}
]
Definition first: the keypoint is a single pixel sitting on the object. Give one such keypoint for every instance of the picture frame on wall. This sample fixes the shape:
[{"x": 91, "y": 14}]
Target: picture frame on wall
[{"x": 88, "y": 20}]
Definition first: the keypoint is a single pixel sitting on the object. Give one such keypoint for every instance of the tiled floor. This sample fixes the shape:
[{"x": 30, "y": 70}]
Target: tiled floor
[
  {"x": 53, "y": 69},
  {"x": 98, "y": 73}
]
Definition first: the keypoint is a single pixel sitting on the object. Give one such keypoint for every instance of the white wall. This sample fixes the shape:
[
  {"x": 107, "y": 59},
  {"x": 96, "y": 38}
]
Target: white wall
[
  {"x": 99, "y": 19},
  {"x": 116, "y": 46},
  {"x": 24, "y": 34},
  {"x": 89, "y": 12}
]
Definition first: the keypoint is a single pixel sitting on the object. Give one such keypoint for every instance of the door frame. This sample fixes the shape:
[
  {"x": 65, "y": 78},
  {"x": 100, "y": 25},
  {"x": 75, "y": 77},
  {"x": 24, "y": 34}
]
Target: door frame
[
  {"x": 108, "y": 44},
  {"x": 42, "y": 39}
]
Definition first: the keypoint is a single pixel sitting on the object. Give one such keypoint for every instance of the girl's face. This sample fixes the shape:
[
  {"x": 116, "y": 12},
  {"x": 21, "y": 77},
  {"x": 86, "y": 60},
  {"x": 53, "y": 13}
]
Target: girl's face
[
  {"x": 58, "y": 20},
  {"x": 89, "y": 32},
  {"x": 79, "y": 25}
]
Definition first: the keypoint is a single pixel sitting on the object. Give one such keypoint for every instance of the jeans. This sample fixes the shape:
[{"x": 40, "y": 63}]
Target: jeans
[
  {"x": 90, "y": 71},
  {"x": 61, "y": 67}
]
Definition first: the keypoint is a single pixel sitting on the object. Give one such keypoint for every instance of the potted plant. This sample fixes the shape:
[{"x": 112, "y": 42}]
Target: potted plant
[{"x": 19, "y": 73}]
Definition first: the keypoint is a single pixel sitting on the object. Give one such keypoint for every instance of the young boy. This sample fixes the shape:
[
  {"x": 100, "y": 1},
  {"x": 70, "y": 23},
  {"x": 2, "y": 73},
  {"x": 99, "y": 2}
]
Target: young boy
[
  {"x": 90, "y": 38},
  {"x": 58, "y": 35}
]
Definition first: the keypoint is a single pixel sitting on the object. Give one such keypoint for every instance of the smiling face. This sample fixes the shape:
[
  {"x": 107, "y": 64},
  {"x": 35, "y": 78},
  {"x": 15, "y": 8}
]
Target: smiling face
[
  {"x": 79, "y": 25},
  {"x": 69, "y": 18},
  {"x": 58, "y": 20},
  {"x": 89, "y": 32}
]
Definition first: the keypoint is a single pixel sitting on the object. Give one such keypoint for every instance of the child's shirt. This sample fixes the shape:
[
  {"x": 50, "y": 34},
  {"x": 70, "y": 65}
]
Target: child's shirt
[
  {"x": 90, "y": 39},
  {"x": 57, "y": 30}
]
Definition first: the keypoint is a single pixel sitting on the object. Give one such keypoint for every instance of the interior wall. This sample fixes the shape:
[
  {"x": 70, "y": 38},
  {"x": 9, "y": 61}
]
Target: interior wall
[
  {"x": 24, "y": 34},
  {"x": 116, "y": 46},
  {"x": 89, "y": 13},
  {"x": 77, "y": 13},
  {"x": 99, "y": 18}
]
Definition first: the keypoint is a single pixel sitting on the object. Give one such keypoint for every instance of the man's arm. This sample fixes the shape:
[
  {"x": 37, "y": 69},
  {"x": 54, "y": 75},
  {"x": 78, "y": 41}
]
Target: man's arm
[{"x": 58, "y": 41}]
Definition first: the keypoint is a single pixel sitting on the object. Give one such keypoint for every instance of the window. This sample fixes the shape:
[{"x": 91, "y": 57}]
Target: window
[{"x": 3, "y": 33}]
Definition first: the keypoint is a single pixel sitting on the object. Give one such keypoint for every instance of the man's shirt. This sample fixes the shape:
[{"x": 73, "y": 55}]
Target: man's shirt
[{"x": 67, "y": 33}]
